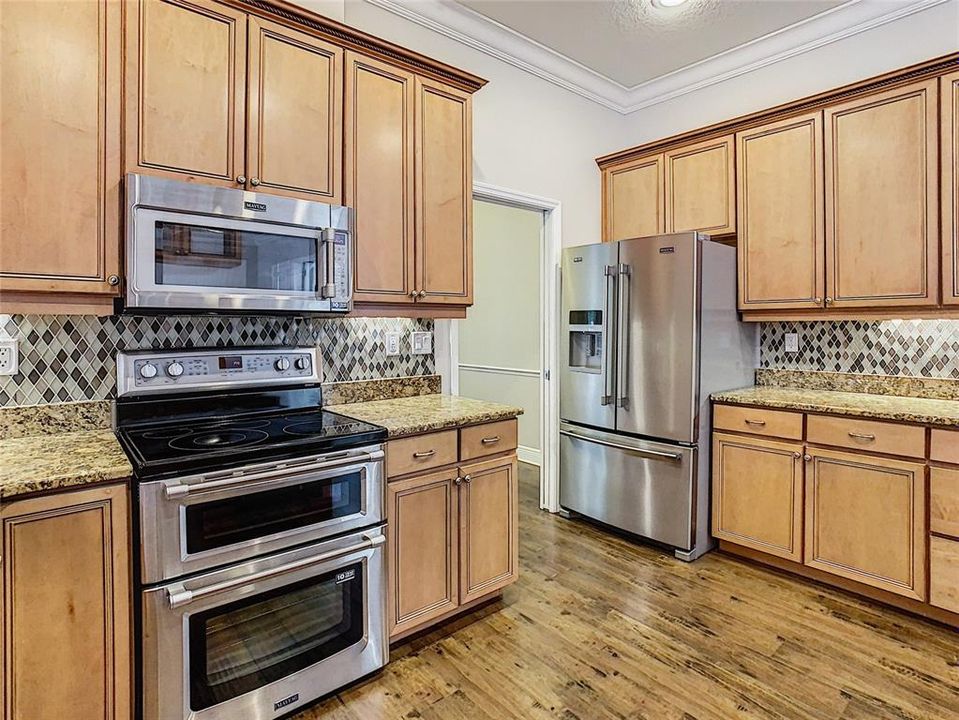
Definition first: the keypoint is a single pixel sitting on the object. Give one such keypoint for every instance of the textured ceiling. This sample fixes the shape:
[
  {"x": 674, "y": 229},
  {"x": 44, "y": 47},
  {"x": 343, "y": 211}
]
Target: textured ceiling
[{"x": 633, "y": 41}]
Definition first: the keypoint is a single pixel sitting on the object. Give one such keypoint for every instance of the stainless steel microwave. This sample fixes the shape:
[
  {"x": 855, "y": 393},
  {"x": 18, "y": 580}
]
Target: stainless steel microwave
[{"x": 193, "y": 247}]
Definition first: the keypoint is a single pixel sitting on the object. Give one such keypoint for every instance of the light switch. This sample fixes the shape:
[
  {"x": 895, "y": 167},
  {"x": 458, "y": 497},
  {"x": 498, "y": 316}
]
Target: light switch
[
  {"x": 392, "y": 343},
  {"x": 422, "y": 342},
  {"x": 792, "y": 342}
]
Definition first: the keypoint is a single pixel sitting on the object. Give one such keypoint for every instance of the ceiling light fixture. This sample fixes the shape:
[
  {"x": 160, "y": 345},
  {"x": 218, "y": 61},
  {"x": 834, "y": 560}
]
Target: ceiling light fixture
[{"x": 667, "y": 3}]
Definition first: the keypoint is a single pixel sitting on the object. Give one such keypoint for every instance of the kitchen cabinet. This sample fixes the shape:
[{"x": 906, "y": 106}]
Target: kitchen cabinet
[
  {"x": 758, "y": 494},
  {"x": 60, "y": 112},
  {"x": 781, "y": 206},
  {"x": 489, "y": 527},
  {"x": 866, "y": 520},
  {"x": 949, "y": 122},
  {"x": 882, "y": 190},
  {"x": 634, "y": 199},
  {"x": 701, "y": 187},
  {"x": 66, "y": 606},
  {"x": 944, "y": 571}
]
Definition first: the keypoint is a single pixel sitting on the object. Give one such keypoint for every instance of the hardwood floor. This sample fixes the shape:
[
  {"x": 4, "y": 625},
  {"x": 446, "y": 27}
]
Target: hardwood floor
[{"x": 598, "y": 627}]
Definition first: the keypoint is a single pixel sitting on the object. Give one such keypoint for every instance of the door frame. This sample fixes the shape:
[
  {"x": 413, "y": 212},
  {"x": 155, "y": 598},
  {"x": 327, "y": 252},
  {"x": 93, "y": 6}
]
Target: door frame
[{"x": 447, "y": 335}]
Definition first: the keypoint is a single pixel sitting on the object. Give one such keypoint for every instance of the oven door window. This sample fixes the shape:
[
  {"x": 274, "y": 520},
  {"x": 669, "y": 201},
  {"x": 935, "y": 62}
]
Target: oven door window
[
  {"x": 255, "y": 515},
  {"x": 244, "y": 645},
  {"x": 231, "y": 259}
]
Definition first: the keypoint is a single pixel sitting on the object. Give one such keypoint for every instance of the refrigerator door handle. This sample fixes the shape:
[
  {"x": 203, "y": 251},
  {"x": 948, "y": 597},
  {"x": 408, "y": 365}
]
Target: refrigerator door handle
[
  {"x": 617, "y": 446},
  {"x": 608, "y": 395},
  {"x": 622, "y": 336}
]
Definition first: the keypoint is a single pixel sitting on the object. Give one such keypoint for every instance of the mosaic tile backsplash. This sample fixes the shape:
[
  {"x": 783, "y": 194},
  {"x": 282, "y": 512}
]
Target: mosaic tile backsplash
[
  {"x": 920, "y": 348},
  {"x": 67, "y": 358}
]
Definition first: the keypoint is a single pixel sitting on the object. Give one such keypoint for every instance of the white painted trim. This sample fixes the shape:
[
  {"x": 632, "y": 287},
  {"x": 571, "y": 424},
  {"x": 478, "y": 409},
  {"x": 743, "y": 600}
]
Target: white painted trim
[
  {"x": 529, "y": 455},
  {"x": 445, "y": 352},
  {"x": 492, "y": 38},
  {"x": 521, "y": 372}
]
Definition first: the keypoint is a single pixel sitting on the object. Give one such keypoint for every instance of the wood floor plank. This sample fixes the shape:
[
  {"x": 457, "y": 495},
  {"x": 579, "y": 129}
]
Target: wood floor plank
[{"x": 599, "y": 627}]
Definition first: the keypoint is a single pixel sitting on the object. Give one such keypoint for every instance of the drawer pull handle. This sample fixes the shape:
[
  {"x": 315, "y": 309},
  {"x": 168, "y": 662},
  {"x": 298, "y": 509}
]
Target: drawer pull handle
[
  {"x": 862, "y": 436},
  {"x": 490, "y": 440},
  {"x": 755, "y": 422},
  {"x": 426, "y": 454}
]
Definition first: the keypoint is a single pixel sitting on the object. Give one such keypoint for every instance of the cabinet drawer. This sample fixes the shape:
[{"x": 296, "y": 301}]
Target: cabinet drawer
[
  {"x": 944, "y": 573},
  {"x": 945, "y": 446},
  {"x": 880, "y": 437},
  {"x": 420, "y": 452},
  {"x": 758, "y": 421},
  {"x": 944, "y": 502},
  {"x": 488, "y": 439}
]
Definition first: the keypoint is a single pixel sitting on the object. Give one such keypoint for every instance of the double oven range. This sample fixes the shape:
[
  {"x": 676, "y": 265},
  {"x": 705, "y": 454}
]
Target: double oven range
[{"x": 260, "y": 517}]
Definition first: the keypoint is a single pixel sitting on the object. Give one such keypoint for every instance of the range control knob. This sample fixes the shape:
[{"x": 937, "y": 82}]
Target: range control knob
[
  {"x": 174, "y": 369},
  {"x": 302, "y": 363},
  {"x": 282, "y": 364},
  {"x": 148, "y": 370}
]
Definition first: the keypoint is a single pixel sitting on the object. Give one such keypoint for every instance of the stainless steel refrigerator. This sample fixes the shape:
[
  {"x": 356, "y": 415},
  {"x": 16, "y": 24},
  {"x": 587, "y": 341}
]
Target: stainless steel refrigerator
[{"x": 649, "y": 331}]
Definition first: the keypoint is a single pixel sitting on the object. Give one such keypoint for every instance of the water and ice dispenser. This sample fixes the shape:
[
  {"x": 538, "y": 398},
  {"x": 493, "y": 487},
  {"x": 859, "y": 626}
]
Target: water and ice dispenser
[{"x": 586, "y": 340}]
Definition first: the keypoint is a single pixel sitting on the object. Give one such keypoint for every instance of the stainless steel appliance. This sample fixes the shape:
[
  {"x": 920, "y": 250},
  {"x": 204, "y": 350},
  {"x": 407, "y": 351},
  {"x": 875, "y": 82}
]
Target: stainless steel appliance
[
  {"x": 261, "y": 531},
  {"x": 650, "y": 330},
  {"x": 204, "y": 248}
]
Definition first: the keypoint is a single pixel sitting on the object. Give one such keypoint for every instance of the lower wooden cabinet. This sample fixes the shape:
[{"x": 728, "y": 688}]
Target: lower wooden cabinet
[
  {"x": 866, "y": 520},
  {"x": 66, "y": 606},
  {"x": 758, "y": 494},
  {"x": 944, "y": 573}
]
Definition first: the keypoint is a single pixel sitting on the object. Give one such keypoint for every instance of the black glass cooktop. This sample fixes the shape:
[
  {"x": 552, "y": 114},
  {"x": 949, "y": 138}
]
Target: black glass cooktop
[{"x": 216, "y": 442}]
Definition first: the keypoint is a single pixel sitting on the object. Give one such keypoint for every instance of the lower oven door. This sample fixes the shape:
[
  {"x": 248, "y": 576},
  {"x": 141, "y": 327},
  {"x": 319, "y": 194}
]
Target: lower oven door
[
  {"x": 200, "y": 522},
  {"x": 259, "y": 639}
]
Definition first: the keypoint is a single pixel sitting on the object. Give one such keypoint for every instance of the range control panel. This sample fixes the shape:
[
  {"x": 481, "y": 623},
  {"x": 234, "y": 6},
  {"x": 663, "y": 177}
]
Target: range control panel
[{"x": 176, "y": 370}]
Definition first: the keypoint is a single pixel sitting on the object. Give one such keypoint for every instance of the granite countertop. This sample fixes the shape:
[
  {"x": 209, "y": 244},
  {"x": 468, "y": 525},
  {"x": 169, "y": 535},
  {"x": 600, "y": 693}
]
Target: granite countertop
[
  {"x": 63, "y": 446},
  {"x": 925, "y": 411},
  {"x": 426, "y": 413}
]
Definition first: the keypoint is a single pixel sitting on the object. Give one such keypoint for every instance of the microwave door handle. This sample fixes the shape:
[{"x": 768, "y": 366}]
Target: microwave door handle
[{"x": 326, "y": 248}]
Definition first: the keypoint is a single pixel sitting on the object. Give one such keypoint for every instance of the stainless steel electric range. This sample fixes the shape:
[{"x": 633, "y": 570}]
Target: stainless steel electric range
[{"x": 261, "y": 525}]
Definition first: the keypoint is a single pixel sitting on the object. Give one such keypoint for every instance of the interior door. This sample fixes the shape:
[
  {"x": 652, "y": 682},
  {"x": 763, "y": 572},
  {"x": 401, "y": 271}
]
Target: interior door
[
  {"x": 588, "y": 333},
  {"x": 657, "y": 344}
]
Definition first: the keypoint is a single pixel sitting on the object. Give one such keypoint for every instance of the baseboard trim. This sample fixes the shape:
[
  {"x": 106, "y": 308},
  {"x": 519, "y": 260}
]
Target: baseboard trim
[{"x": 529, "y": 455}]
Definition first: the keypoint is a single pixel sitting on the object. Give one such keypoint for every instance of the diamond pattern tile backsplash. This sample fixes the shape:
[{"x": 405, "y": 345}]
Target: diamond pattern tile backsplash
[
  {"x": 921, "y": 348},
  {"x": 65, "y": 358}
]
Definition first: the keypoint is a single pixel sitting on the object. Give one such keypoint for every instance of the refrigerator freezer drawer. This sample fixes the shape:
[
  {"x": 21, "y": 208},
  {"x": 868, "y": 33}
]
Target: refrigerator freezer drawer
[{"x": 642, "y": 487}]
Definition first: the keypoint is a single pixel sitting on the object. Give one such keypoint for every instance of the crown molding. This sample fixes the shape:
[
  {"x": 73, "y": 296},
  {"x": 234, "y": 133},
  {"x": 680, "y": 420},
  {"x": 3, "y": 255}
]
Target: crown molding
[{"x": 466, "y": 26}]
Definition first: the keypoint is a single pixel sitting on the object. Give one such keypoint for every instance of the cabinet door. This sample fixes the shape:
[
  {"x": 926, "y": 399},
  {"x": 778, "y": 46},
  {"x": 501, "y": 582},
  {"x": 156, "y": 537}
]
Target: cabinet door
[
  {"x": 489, "y": 527},
  {"x": 185, "y": 85},
  {"x": 866, "y": 520},
  {"x": 66, "y": 606},
  {"x": 379, "y": 178},
  {"x": 633, "y": 199},
  {"x": 295, "y": 127},
  {"x": 882, "y": 189},
  {"x": 444, "y": 194},
  {"x": 781, "y": 236},
  {"x": 758, "y": 494},
  {"x": 60, "y": 167},
  {"x": 949, "y": 98},
  {"x": 701, "y": 187},
  {"x": 423, "y": 553}
]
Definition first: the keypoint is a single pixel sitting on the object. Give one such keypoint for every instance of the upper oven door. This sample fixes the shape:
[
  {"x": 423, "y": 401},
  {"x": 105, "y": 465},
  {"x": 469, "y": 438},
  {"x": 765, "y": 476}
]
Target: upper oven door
[{"x": 204, "y": 521}]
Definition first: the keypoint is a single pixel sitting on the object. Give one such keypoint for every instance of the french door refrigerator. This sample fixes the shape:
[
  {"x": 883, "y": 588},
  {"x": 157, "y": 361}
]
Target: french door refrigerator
[{"x": 650, "y": 330}]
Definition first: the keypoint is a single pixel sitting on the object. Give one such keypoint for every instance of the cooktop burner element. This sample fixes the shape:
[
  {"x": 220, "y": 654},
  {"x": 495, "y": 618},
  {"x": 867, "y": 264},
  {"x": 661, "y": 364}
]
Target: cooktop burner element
[{"x": 217, "y": 439}]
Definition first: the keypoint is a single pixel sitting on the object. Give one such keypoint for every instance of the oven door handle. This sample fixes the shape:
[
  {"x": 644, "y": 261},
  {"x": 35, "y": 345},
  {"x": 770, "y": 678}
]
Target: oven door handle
[
  {"x": 179, "y": 490},
  {"x": 181, "y": 597}
]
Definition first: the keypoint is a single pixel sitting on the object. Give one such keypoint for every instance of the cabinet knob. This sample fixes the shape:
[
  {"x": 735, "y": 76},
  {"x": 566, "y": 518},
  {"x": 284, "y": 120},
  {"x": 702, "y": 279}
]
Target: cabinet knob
[
  {"x": 254, "y": 181},
  {"x": 807, "y": 458},
  {"x": 458, "y": 481},
  {"x": 241, "y": 179},
  {"x": 818, "y": 301},
  {"x": 467, "y": 478},
  {"x": 829, "y": 301},
  {"x": 797, "y": 455},
  {"x": 422, "y": 293},
  {"x": 412, "y": 293},
  {"x": 113, "y": 280}
]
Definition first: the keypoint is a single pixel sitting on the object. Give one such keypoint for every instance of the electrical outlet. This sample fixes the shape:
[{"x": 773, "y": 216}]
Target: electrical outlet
[
  {"x": 422, "y": 342},
  {"x": 9, "y": 357},
  {"x": 392, "y": 343},
  {"x": 792, "y": 342}
]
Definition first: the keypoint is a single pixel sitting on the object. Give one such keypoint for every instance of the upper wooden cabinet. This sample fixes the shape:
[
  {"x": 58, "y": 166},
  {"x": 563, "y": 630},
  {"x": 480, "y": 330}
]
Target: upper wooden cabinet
[
  {"x": 882, "y": 190},
  {"x": 66, "y": 606},
  {"x": 634, "y": 199},
  {"x": 780, "y": 215},
  {"x": 186, "y": 90},
  {"x": 701, "y": 187},
  {"x": 60, "y": 150},
  {"x": 949, "y": 118},
  {"x": 295, "y": 120}
]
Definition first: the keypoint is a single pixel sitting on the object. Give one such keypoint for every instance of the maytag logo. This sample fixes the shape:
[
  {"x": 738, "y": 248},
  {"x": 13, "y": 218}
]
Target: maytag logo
[
  {"x": 578, "y": 259},
  {"x": 256, "y": 207},
  {"x": 667, "y": 250},
  {"x": 345, "y": 576},
  {"x": 285, "y": 702}
]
